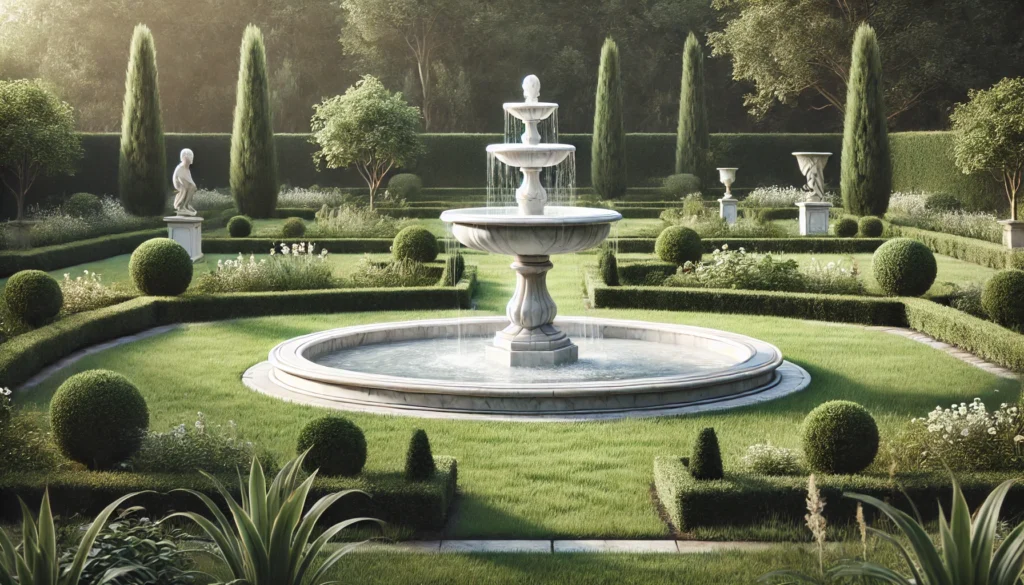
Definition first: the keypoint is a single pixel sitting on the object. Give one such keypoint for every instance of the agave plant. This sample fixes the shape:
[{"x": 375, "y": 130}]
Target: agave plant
[
  {"x": 968, "y": 553},
  {"x": 36, "y": 561},
  {"x": 269, "y": 541}
]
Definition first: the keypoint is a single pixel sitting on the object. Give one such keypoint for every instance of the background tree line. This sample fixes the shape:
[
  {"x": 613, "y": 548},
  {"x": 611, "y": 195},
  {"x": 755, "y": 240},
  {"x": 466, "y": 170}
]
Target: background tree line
[{"x": 773, "y": 65}]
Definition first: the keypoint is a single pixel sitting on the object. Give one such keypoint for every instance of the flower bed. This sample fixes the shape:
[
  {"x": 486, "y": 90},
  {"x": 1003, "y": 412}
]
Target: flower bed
[{"x": 802, "y": 245}]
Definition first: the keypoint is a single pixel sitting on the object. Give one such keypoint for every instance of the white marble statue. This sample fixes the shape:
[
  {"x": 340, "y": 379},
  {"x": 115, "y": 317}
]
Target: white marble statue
[{"x": 184, "y": 185}]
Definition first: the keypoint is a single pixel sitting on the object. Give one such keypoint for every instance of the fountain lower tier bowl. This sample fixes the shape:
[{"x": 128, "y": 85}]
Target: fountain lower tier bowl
[
  {"x": 435, "y": 368},
  {"x": 531, "y": 156},
  {"x": 505, "y": 230}
]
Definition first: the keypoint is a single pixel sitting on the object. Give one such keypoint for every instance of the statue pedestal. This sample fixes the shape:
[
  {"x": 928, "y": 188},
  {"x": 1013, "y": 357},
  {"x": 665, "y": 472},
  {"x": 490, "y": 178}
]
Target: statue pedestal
[
  {"x": 1013, "y": 234},
  {"x": 814, "y": 217},
  {"x": 187, "y": 231},
  {"x": 727, "y": 209}
]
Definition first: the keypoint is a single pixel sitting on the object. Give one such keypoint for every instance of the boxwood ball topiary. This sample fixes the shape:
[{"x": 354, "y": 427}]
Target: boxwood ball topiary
[
  {"x": 98, "y": 418},
  {"x": 83, "y": 205},
  {"x": 336, "y": 446},
  {"x": 840, "y": 437},
  {"x": 904, "y": 267},
  {"x": 846, "y": 227},
  {"x": 415, "y": 243},
  {"x": 678, "y": 245},
  {"x": 239, "y": 226},
  {"x": 942, "y": 202},
  {"x": 33, "y": 297},
  {"x": 1003, "y": 299},
  {"x": 161, "y": 267},
  {"x": 293, "y": 227},
  {"x": 419, "y": 459},
  {"x": 870, "y": 227},
  {"x": 405, "y": 186},
  {"x": 706, "y": 460}
]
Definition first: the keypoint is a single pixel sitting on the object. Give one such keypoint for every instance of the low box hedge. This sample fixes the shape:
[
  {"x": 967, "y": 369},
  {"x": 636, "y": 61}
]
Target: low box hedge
[
  {"x": 984, "y": 339},
  {"x": 745, "y": 499},
  {"x": 70, "y": 254},
  {"x": 966, "y": 249},
  {"x": 650, "y": 273},
  {"x": 421, "y": 506},
  {"x": 25, "y": 355},
  {"x": 801, "y": 245},
  {"x": 263, "y": 245}
]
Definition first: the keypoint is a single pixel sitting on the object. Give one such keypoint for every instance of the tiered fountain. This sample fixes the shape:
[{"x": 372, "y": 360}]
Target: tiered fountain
[{"x": 525, "y": 365}]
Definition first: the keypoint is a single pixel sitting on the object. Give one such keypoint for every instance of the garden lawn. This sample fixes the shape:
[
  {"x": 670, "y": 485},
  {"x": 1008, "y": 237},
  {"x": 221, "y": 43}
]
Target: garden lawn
[{"x": 523, "y": 480}]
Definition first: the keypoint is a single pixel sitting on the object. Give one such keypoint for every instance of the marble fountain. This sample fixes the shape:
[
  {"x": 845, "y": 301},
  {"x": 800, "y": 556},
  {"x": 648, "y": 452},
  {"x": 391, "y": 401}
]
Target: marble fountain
[{"x": 526, "y": 365}]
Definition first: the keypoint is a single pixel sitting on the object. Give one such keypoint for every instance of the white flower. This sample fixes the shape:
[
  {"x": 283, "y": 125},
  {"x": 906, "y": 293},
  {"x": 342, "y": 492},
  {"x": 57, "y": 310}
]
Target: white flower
[
  {"x": 992, "y": 430},
  {"x": 1018, "y": 439},
  {"x": 965, "y": 432}
]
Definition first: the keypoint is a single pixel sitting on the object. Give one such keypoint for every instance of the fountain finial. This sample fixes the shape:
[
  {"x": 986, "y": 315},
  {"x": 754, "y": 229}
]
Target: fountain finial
[{"x": 531, "y": 88}]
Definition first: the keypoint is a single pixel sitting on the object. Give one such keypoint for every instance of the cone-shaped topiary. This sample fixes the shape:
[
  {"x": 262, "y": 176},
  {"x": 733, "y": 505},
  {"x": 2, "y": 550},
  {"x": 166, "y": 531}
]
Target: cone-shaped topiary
[
  {"x": 98, "y": 418},
  {"x": 239, "y": 226},
  {"x": 904, "y": 267},
  {"x": 608, "y": 266},
  {"x": 415, "y": 243},
  {"x": 608, "y": 149},
  {"x": 706, "y": 460},
  {"x": 142, "y": 166},
  {"x": 253, "y": 157},
  {"x": 419, "y": 461},
  {"x": 870, "y": 226},
  {"x": 32, "y": 297},
  {"x": 293, "y": 227},
  {"x": 454, "y": 266},
  {"x": 336, "y": 446},
  {"x": 679, "y": 245},
  {"x": 1003, "y": 299},
  {"x": 846, "y": 227},
  {"x": 693, "y": 143},
  {"x": 840, "y": 437},
  {"x": 160, "y": 267},
  {"x": 866, "y": 173}
]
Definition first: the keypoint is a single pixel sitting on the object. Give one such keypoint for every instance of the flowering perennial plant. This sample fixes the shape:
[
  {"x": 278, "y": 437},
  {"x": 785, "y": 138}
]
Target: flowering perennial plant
[
  {"x": 777, "y": 196},
  {"x": 356, "y": 221},
  {"x": 969, "y": 437},
  {"x": 767, "y": 459},
  {"x": 837, "y": 278},
  {"x": 737, "y": 269},
  {"x": 86, "y": 292},
  {"x": 909, "y": 210},
  {"x": 57, "y": 226},
  {"x": 195, "y": 447},
  {"x": 297, "y": 267}
]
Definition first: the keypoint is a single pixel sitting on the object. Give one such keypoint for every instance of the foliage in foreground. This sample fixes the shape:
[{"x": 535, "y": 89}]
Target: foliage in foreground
[{"x": 267, "y": 541}]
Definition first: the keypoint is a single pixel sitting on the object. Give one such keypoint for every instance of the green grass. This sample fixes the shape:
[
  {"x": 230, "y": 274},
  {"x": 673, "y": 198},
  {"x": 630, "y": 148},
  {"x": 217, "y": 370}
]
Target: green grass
[{"x": 526, "y": 480}]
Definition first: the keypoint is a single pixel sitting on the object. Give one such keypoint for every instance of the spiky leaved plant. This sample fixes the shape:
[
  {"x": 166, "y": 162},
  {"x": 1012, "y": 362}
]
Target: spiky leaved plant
[
  {"x": 36, "y": 561},
  {"x": 268, "y": 542}
]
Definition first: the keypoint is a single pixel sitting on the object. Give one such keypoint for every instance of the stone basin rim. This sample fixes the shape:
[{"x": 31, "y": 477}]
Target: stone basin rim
[
  {"x": 569, "y": 216},
  {"x": 761, "y": 359}
]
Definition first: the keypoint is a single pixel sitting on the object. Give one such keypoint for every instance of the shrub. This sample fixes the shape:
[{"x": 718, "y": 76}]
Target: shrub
[
  {"x": 336, "y": 446},
  {"x": 405, "y": 186},
  {"x": 967, "y": 224},
  {"x": 736, "y": 269},
  {"x": 161, "y": 267},
  {"x": 142, "y": 166},
  {"x": 83, "y": 205},
  {"x": 293, "y": 227},
  {"x": 846, "y": 227},
  {"x": 253, "y": 155},
  {"x": 870, "y": 227},
  {"x": 681, "y": 185},
  {"x": 840, "y": 437},
  {"x": 693, "y": 143},
  {"x": 296, "y": 267},
  {"x": 710, "y": 225},
  {"x": 395, "y": 274},
  {"x": 454, "y": 266},
  {"x": 356, "y": 221},
  {"x": 33, "y": 297},
  {"x": 313, "y": 198},
  {"x": 86, "y": 292},
  {"x": 1003, "y": 299},
  {"x": 966, "y": 437},
  {"x": 942, "y": 202},
  {"x": 693, "y": 205},
  {"x": 58, "y": 226},
  {"x": 239, "y": 226},
  {"x": 706, "y": 461},
  {"x": 608, "y": 267},
  {"x": 904, "y": 267},
  {"x": 415, "y": 243},
  {"x": 419, "y": 460},
  {"x": 1016, "y": 260},
  {"x": 967, "y": 298},
  {"x": 608, "y": 146},
  {"x": 189, "y": 448},
  {"x": 767, "y": 459},
  {"x": 678, "y": 245},
  {"x": 776, "y": 197},
  {"x": 98, "y": 418},
  {"x": 833, "y": 278}
]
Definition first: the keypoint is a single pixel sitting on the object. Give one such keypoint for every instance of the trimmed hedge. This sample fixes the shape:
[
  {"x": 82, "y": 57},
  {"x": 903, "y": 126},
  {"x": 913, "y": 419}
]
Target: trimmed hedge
[
  {"x": 421, "y": 506},
  {"x": 651, "y": 273},
  {"x": 25, "y": 355},
  {"x": 923, "y": 161},
  {"x": 746, "y": 499},
  {"x": 764, "y": 245},
  {"x": 263, "y": 245},
  {"x": 63, "y": 255},
  {"x": 959, "y": 247},
  {"x": 983, "y": 338}
]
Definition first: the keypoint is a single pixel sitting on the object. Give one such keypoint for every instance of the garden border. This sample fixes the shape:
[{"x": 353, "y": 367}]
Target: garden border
[
  {"x": 59, "y": 256},
  {"x": 797, "y": 245}
]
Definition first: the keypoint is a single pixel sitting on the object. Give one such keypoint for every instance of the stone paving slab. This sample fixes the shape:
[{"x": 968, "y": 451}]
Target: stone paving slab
[
  {"x": 565, "y": 546},
  {"x": 496, "y": 546},
  {"x": 956, "y": 352},
  {"x": 615, "y": 546}
]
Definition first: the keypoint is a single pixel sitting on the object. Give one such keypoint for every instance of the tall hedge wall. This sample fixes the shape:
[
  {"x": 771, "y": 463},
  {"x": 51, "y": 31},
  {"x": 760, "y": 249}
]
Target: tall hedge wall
[{"x": 923, "y": 161}]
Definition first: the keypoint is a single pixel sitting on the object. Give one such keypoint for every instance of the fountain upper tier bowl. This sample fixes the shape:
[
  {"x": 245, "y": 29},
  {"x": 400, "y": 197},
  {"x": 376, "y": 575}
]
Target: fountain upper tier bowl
[
  {"x": 531, "y": 156},
  {"x": 505, "y": 230},
  {"x": 530, "y": 111}
]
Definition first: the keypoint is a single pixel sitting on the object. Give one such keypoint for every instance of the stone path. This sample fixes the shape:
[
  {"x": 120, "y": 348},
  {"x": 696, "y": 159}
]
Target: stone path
[
  {"x": 569, "y": 546},
  {"x": 954, "y": 351}
]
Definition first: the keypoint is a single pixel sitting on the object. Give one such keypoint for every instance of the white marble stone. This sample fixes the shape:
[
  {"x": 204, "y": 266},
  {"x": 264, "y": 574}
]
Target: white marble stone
[
  {"x": 616, "y": 546},
  {"x": 814, "y": 217},
  {"x": 727, "y": 176},
  {"x": 727, "y": 210},
  {"x": 812, "y": 165},
  {"x": 187, "y": 231},
  {"x": 1013, "y": 234},
  {"x": 496, "y": 546},
  {"x": 184, "y": 186}
]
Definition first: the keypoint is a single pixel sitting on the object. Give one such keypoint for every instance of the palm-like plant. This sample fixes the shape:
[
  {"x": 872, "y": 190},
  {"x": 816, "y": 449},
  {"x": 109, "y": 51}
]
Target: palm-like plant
[
  {"x": 269, "y": 541},
  {"x": 36, "y": 561},
  {"x": 968, "y": 555}
]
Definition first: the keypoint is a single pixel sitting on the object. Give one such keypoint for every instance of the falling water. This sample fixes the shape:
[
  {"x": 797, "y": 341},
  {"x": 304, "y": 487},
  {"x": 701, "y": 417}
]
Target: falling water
[{"x": 503, "y": 180}]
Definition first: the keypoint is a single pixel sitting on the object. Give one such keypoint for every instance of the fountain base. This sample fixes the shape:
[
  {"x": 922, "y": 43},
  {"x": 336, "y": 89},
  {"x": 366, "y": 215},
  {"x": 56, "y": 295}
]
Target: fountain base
[{"x": 544, "y": 346}]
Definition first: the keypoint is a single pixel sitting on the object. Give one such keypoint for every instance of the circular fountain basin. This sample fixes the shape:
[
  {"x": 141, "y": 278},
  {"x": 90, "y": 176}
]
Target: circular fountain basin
[
  {"x": 530, "y": 111},
  {"x": 504, "y": 230},
  {"x": 436, "y": 368},
  {"x": 531, "y": 156}
]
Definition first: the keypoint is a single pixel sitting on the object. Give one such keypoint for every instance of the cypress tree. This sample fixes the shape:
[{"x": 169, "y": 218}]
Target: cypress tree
[
  {"x": 866, "y": 180},
  {"x": 693, "y": 142},
  {"x": 143, "y": 182},
  {"x": 419, "y": 461},
  {"x": 608, "y": 150},
  {"x": 253, "y": 158}
]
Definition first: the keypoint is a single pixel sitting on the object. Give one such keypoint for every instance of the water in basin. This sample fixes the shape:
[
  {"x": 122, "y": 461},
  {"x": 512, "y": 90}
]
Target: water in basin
[{"x": 601, "y": 360}]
